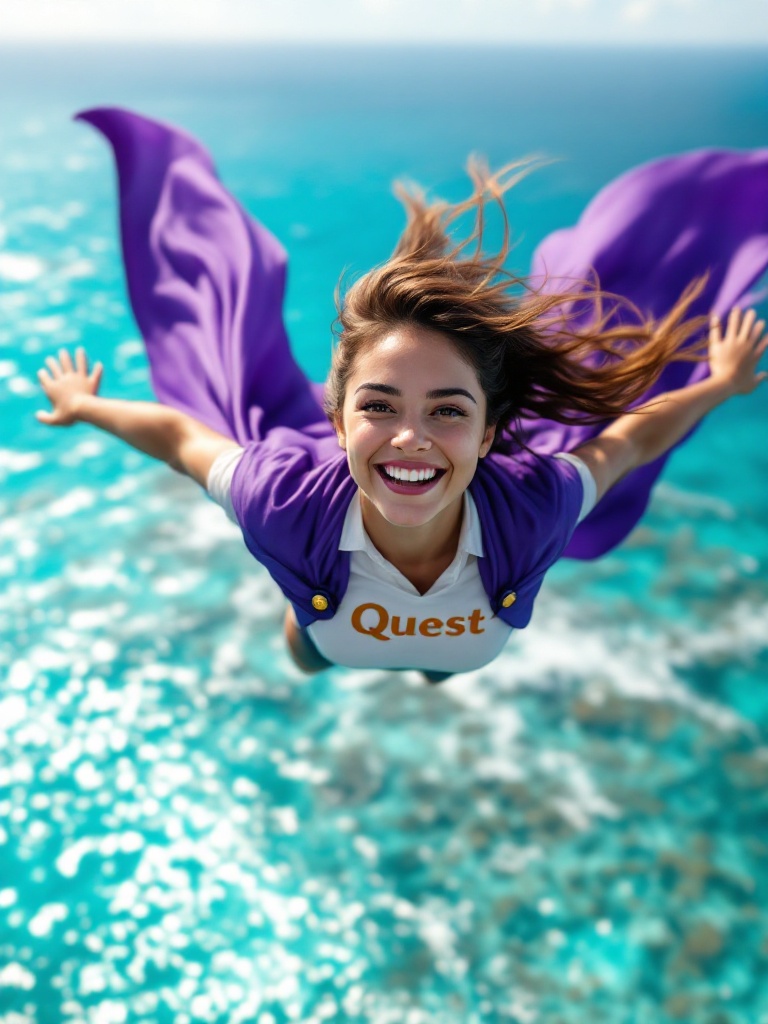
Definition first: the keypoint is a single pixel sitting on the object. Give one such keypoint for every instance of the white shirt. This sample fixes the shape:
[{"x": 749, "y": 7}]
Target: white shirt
[{"x": 383, "y": 621}]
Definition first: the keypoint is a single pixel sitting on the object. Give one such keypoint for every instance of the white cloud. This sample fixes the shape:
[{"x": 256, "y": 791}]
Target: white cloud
[
  {"x": 377, "y": 7},
  {"x": 638, "y": 10},
  {"x": 93, "y": 19},
  {"x": 680, "y": 22},
  {"x": 552, "y": 6}
]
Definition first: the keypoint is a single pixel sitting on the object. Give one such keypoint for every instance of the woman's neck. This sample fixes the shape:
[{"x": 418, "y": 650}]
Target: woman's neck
[{"x": 420, "y": 553}]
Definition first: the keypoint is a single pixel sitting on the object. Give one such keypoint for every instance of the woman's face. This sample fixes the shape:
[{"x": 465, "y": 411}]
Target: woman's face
[{"x": 413, "y": 406}]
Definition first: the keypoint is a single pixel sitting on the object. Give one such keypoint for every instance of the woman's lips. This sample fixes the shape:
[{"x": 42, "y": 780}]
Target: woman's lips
[{"x": 406, "y": 487}]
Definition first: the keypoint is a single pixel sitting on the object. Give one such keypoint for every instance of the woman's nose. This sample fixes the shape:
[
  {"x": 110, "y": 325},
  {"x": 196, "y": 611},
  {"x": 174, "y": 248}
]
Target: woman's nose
[{"x": 411, "y": 437}]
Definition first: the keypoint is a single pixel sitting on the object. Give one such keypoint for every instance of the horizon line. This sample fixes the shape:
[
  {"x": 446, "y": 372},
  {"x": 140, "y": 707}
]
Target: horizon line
[{"x": 7, "y": 43}]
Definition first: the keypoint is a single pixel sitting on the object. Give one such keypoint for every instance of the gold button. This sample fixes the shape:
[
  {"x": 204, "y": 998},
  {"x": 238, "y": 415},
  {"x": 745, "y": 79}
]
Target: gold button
[
  {"x": 509, "y": 599},
  {"x": 319, "y": 603}
]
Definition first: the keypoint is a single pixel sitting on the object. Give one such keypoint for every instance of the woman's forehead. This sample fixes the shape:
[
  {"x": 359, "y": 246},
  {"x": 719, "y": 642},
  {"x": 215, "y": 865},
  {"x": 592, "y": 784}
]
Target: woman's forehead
[{"x": 414, "y": 353}]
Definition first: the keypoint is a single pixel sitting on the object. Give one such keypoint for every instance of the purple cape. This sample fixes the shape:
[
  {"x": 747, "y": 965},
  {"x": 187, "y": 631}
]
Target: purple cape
[{"x": 206, "y": 283}]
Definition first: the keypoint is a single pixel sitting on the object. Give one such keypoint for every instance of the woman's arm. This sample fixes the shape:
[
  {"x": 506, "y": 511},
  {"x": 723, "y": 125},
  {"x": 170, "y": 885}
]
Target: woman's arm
[
  {"x": 650, "y": 430},
  {"x": 168, "y": 434}
]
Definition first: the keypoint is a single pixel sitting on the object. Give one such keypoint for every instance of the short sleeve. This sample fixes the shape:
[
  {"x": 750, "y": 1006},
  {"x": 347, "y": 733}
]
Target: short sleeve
[
  {"x": 587, "y": 481},
  {"x": 219, "y": 483},
  {"x": 290, "y": 494},
  {"x": 529, "y": 505}
]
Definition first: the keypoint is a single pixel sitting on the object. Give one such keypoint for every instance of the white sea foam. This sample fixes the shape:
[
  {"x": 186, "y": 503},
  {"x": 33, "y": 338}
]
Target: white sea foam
[
  {"x": 208, "y": 525},
  {"x": 76, "y": 162},
  {"x": 54, "y": 220},
  {"x": 53, "y": 324},
  {"x": 180, "y": 583},
  {"x": 68, "y": 862},
  {"x": 78, "y": 499},
  {"x": 13, "y": 710},
  {"x": 93, "y": 978},
  {"x": 14, "y": 303},
  {"x": 87, "y": 777},
  {"x": 87, "y": 619},
  {"x": 20, "y": 268},
  {"x": 77, "y": 269},
  {"x": 304, "y": 771},
  {"x": 23, "y": 387},
  {"x": 127, "y": 351},
  {"x": 742, "y": 631},
  {"x": 558, "y": 649},
  {"x": 509, "y": 858},
  {"x": 96, "y": 576},
  {"x": 12, "y": 461},
  {"x": 15, "y": 975},
  {"x": 44, "y": 920},
  {"x": 21, "y": 675},
  {"x": 693, "y": 501},
  {"x": 7, "y": 898}
]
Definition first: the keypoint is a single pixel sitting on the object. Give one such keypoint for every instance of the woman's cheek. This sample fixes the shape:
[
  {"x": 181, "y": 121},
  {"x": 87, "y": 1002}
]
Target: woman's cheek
[{"x": 366, "y": 441}]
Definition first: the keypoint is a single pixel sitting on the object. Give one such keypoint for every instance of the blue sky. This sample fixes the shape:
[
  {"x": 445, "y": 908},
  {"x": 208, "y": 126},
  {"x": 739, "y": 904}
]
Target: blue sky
[{"x": 573, "y": 22}]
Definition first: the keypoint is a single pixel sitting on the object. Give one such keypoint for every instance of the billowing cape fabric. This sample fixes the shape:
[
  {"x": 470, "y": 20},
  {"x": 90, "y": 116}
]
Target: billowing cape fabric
[{"x": 206, "y": 282}]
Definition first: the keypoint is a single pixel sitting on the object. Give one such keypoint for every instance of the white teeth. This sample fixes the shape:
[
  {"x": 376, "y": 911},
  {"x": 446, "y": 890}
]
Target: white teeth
[{"x": 410, "y": 475}]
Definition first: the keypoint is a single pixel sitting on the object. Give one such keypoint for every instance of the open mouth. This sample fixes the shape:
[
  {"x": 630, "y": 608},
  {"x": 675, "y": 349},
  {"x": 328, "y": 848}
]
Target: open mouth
[{"x": 414, "y": 481}]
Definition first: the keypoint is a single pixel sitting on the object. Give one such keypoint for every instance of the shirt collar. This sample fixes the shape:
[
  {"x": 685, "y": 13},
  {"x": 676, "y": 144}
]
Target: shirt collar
[{"x": 354, "y": 537}]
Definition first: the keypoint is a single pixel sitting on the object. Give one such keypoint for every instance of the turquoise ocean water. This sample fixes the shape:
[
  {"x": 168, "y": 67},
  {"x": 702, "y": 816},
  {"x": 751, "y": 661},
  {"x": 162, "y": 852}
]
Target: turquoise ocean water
[{"x": 192, "y": 831}]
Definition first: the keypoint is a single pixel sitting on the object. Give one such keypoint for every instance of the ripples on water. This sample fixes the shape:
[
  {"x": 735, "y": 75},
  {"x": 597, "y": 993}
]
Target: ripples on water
[
  {"x": 193, "y": 831},
  {"x": 190, "y": 830}
]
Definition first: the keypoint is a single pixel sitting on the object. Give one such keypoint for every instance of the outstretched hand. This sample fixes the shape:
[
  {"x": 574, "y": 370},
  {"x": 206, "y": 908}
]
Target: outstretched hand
[
  {"x": 734, "y": 354},
  {"x": 65, "y": 384}
]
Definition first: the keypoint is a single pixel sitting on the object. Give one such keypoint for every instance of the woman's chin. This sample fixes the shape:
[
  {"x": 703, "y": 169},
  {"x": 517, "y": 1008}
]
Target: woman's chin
[
  {"x": 400, "y": 511},
  {"x": 400, "y": 514}
]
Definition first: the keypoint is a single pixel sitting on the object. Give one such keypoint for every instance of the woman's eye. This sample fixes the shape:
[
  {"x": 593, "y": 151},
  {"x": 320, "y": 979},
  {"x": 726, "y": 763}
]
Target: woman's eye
[
  {"x": 375, "y": 407},
  {"x": 449, "y": 411}
]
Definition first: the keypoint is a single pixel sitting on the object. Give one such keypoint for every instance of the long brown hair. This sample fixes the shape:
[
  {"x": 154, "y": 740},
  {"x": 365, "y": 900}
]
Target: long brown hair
[{"x": 580, "y": 355}]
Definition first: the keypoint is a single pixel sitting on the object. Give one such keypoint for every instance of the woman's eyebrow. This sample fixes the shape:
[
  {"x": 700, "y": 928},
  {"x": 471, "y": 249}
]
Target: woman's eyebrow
[
  {"x": 387, "y": 389},
  {"x": 447, "y": 392}
]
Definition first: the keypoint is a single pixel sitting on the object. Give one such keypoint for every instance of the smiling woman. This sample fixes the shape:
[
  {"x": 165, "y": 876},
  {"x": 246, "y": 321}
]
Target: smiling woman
[
  {"x": 475, "y": 426},
  {"x": 414, "y": 432}
]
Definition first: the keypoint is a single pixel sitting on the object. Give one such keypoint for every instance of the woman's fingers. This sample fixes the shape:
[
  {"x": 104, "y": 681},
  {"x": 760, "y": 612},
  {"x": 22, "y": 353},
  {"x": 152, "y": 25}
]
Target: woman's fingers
[
  {"x": 95, "y": 377},
  {"x": 745, "y": 329},
  {"x": 45, "y": 380},
  {"x": 741, "y": 326},
  {"x": 53, "y": 366},
  {"x": 737, "y": 321},
  {"x": 733, "y": 320},
  {"x": 58, "y": 367}
]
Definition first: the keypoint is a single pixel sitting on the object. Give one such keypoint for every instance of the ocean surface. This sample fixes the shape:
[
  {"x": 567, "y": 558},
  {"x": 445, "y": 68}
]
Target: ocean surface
[{"x": 190, "y": 830}]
